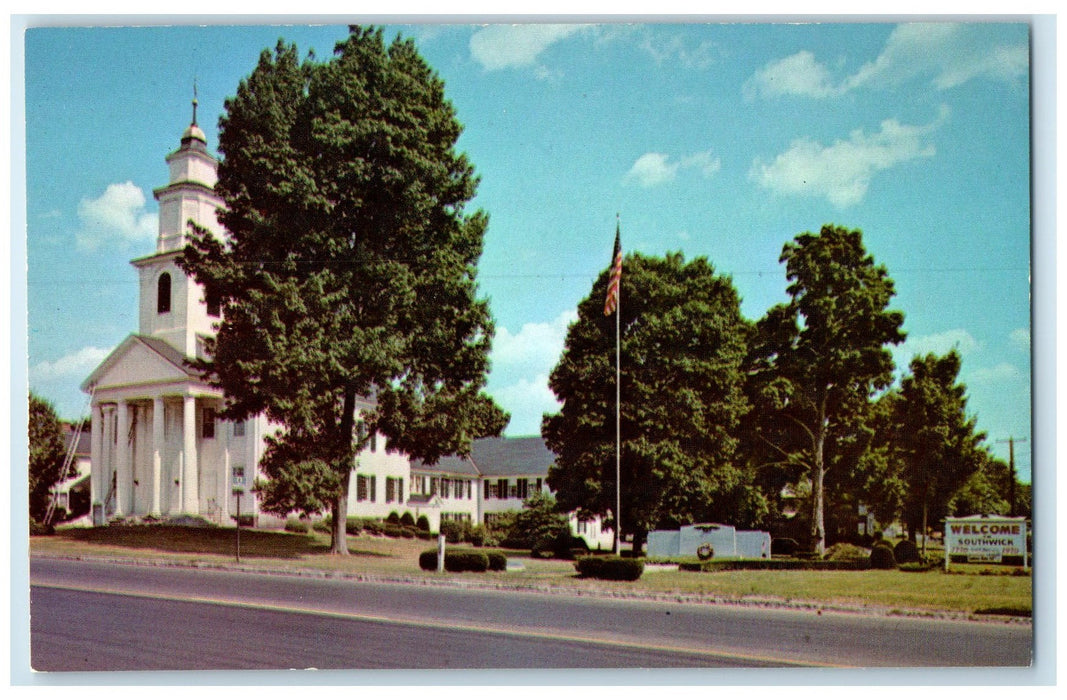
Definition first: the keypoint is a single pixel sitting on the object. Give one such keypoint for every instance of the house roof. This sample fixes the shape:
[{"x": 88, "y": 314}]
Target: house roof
[
  {"x": 523, "y": 456},
  {"x": 84, "y": 440},
  {"x": 491, "y": 457}
]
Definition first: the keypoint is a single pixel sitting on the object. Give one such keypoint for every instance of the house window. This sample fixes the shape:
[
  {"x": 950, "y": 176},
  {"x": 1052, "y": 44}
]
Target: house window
[
  {"x": 373, "y": 488},
  {"x": 390, "y": 492},
  {"x": 374, "y": 442},
  {"x": 239, "y": 429},
  {"x": 209, "y": 424},
  {"x": 163, "y": 293},
  {"x": 488, "y": 490},
  {"x": 214, "y": 305},
  {"x": 400, "y": 489},
  {"x": 501, "y": 488},
  {"x": 446, "y": 488},
  {"x": 361, "y": 487},
  {"x": 523, "y": 487},
  {"x": 538, "y": 487}
]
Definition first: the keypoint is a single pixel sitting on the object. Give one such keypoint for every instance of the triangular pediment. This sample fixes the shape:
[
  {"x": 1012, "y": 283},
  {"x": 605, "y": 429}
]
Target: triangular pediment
[{"x": 137, "y": 361}]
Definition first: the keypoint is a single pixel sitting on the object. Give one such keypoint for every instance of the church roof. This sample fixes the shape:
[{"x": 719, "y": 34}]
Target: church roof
[{"x": 155, "y": 346}]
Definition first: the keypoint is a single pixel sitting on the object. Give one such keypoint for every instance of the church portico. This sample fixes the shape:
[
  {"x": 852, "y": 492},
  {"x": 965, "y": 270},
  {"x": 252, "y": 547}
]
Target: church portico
[{"x": 153, "y": 455}]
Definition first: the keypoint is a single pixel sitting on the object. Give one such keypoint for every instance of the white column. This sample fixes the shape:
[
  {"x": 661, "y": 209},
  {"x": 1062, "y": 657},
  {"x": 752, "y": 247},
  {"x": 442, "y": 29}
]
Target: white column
[
  {"x": 122, "y": 457},
  {"x": 190, "y": 473},
  {"x": 97, "y": 488},
  {"x": 157, "y": 453}
]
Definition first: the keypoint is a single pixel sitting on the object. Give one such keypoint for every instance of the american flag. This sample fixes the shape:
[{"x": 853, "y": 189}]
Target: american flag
[{"x": 612, "y": 300}]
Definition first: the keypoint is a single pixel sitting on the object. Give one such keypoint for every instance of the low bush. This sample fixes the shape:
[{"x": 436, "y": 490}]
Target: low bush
[
  {"x": 775, "y": 565},
  {"x": 391, "y": 530},
  {"x": 497, "y": 561},
  {"x": 906, "y": 552},
  {"x": 393, "y": 518},
  {"x": 38, "y": 529},
  {"x": 408, "y": 532},
  {"x": 297, "y": 525},
  {"x": 610, "y": 568},
  {"x": 452, "y": 531},
  {"x": 916, "y": 566},
  {"x": 785, "y": 546},
  {"x": 457, "y": 561},
  {"x": 882, "y": 558},
  {"x": 323, "y": 525},
  {"x": 843, "y": 551},
  {"x": 423, "y": 524},
  {"x": 408, "y": 520},
  {"x": 353, "y": 526}
]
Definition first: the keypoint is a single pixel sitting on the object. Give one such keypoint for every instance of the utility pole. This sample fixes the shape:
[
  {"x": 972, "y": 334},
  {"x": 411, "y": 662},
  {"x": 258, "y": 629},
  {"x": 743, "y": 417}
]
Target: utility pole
[{"x": 1011, "y": 470}]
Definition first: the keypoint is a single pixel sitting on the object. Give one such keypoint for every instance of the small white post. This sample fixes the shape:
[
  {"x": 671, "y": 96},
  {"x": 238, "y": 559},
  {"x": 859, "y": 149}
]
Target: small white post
[{"x": 440, "y": 553}]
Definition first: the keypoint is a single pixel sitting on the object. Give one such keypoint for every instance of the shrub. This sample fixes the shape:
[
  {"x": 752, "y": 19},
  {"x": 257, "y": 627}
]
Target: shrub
[
  {"x": 373, "y": 527},
  {"x": 391, "y": 530},
  {"x": 408, "y": 532},
  {"x": 882, "y": 558},
  {"x": 323, "y": 525},
  {"x": 456, "y": 561},
  {"x": 353, "y": 526},
  {"x": 408, "y": 520},
  {"x": 845, "y": 552},
  {"x": 452, "y": 531},
  {"x": 393, "y": 519},
  {"x": 297, "y": 525},
  {"x": 423, "y": 523},
  {"x": 497, "y": 561},
  {"x": 477, "y": 535},
  {"x": 786, "y": 546},
  {"x": 38, "y": 529},
  {"x": 906, "y": 552},
  {"x": 610, "y": 568}
]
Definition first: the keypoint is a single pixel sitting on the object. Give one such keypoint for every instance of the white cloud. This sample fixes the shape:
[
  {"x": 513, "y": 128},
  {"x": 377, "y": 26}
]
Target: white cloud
[
  {"x": 116, "y": 216},
  {"x": 799, "y": 74},
  {"x": 653, "y": 169},
  {"x": 675, "y": 49},
  {"x": 1000, "y": 373},
  {"x": 535, "y": 349},
  {"x": 75, "y": 365},
  {"x": 956, "y": 339},
  {"x": 527, "y": 400},
  {"x": 842, "y": 172},
  {"x": 1020, "y": 338},
  {"x": 501, "y": 46},
  {"x": 946, "y": 54}
]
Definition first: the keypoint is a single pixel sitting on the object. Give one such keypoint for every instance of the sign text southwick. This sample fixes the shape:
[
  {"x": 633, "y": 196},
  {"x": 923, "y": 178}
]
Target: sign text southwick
[{"x": 985, "y": 538}]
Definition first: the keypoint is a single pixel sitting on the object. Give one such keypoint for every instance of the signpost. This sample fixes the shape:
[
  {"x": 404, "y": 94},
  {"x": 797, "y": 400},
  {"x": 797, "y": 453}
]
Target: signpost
[
  {"x": 985, "y": 538},
  {"x": 238, "y": 490}
]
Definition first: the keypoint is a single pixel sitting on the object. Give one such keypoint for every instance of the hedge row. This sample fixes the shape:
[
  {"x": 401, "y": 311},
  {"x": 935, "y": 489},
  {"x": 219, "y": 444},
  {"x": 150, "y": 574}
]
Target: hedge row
[
  {"x": 458, "y": 560},
  {"x": 610, "y": 568},
  {"x": 775, "y": 565}
]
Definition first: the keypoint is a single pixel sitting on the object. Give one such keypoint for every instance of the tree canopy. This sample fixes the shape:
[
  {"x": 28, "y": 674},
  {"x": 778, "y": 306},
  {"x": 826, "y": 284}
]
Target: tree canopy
[
  {"x": 347, "y": 272},
  {"x": 822, "y": 355},
  {"x": 47, "y": 455},
  {"x": 683, "y": 342}
]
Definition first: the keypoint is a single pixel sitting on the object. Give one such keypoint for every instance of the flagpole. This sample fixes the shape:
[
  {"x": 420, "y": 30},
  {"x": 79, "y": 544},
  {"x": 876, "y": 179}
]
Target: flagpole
[
  {"x": 618, "y": 431},
  {"x": 618, "y": 415}
]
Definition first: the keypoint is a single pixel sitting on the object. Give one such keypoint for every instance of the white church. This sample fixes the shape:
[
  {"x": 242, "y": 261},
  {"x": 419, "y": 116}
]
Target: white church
[{"x": 159, "y": 450}]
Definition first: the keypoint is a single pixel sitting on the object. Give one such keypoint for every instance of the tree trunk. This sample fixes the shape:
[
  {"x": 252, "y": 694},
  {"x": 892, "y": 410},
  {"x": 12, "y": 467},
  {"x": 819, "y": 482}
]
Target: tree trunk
[
  {"x": 818, "y": 496},
  {"x": 339, "y": 544},
  {"x": 640, "y": 535}
]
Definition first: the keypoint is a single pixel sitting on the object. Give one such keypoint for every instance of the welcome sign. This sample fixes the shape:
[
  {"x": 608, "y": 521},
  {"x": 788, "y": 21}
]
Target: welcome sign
[{"x": 985, "y": 538}]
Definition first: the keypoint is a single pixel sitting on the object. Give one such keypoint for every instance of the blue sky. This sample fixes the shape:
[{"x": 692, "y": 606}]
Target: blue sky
[{"x": 718, "y": 140}]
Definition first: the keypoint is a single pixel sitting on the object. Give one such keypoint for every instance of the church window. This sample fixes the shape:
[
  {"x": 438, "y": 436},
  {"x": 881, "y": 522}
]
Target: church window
[
  {"x": 239, "y": 429},
  {"x": 209, "y": 423},
  {"x": 163, "y": 293}
]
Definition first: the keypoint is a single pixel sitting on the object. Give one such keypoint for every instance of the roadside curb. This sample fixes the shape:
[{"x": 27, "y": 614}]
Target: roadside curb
[{"x": 675, "y": 598}]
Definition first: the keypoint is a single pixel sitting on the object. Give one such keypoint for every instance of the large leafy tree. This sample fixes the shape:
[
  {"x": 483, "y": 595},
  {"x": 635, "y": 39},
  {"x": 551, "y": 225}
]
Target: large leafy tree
[
  {"x": 682, "y": 347},
  {"x": 823, "y": 356},
  {"x": 348, "y": 272},
  {"x": 940, "y": 446},
  {"x": 46, "y": 455}
]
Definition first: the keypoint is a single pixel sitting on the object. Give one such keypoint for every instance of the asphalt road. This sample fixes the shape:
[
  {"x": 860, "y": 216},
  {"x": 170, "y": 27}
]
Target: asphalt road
[{"x": 94, "y": 616}]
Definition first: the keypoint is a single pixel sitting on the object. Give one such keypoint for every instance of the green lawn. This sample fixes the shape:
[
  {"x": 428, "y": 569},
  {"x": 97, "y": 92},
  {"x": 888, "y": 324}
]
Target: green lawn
[{"x": 971, "y": 589}]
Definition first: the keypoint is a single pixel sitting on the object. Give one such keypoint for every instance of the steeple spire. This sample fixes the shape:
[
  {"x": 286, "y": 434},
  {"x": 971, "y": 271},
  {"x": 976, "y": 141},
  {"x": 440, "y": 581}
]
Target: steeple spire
[{"x": 195, "y": 102}]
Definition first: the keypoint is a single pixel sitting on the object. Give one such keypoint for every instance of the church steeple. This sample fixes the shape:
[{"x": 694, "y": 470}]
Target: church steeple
[{"x": 194, "y": 138}]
